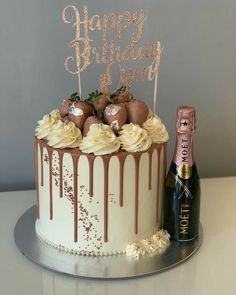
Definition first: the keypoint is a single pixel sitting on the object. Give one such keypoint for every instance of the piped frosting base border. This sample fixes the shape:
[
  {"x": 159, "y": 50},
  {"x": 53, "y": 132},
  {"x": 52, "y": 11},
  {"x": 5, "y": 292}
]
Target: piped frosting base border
[
  {"x": 74, "y": 251},
  {"x": 135, "y": 250}
]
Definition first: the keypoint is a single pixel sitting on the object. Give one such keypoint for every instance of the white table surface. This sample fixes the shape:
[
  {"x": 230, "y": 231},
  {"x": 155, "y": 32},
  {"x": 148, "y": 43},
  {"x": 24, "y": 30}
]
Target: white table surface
[{"x": 211, "y": 271}]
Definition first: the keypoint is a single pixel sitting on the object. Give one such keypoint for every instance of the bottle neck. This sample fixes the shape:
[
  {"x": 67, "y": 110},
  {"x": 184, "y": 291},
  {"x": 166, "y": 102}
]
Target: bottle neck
[{"x": 183, "y": 154}]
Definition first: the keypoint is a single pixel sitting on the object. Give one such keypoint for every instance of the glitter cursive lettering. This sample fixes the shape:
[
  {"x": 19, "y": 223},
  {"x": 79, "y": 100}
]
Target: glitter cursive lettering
[{"x": 112, "y": 27}]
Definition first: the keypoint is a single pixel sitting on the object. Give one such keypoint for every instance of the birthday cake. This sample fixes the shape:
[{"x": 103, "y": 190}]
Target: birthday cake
[
  {"x": 101, "y": 161},
  {"x": 100, "y": 167}
]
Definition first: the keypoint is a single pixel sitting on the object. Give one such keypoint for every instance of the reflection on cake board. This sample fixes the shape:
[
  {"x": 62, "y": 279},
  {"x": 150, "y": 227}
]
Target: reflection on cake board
[{"x": 106, "y": 267}]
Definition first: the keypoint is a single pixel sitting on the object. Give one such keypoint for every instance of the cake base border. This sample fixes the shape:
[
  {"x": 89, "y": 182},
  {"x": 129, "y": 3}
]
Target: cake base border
[{"x": 97, "y": 267}]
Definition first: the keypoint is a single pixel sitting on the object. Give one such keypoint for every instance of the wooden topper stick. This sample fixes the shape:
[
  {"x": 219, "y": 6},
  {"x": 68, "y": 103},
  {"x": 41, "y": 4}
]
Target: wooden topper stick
[
  {"x": 155, "y": 93},
  {"x": 80, "y": 87}
]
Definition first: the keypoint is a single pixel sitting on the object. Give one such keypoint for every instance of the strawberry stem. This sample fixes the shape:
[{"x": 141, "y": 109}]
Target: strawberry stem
[
  {"x": 119, "y": 91},
  {"x": 93, "y": 97},
  {"x": 75, "y": 97}
]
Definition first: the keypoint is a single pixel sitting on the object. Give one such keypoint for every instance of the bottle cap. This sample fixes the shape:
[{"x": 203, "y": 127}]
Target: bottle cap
[{"x": 185, "y": 119}]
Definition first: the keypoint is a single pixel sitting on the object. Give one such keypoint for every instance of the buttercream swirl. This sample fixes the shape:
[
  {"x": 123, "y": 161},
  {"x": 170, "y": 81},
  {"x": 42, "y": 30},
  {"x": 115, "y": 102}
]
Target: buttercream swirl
[
  {"x": 64, "y": 135},
  {"x": 157, "y": 242},
  {"x": 100, "y": 140},
  {"x": 150, "y": 114},
  {"x": 133, "y": 138},
  {"x": 156, "y": 129},
  {"x": 46, "y": 123}
]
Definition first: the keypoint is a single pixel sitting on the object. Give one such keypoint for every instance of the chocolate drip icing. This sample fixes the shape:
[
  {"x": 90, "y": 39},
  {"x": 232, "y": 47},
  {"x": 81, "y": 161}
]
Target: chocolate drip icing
[
  {"x": 41, "y": 163},
  {"x": 75, "y": 153},
  {"x": 165, "y": 159},
  {"x": 91, "y": 159},
  {"x": 60, "y": 154},
  {"x": 137, "y": 157},
  {"x": 36, "y": 175},
  {"x": 106, "y": 161},
  {"x": 158, "y": 181},
  {"x": 150, "y": 153},
  {"x": 50, "y": 182},
  {"x": 75, "y": 158},
  {"x": 121, "y": 157}
]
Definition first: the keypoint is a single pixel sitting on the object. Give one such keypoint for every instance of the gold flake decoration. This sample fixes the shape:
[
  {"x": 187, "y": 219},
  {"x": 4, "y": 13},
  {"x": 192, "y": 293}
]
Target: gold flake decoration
[{"x": 111, "y": 27}]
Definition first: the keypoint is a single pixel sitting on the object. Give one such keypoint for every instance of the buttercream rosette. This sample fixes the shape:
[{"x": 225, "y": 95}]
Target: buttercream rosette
[
  {"x": 46, "y": 124},
  {"x": 157, "y": 242},
  {"x": 133, "y": 138},
  {"x": 156, "y": 129},
  {"x": 100, "y": 140},
  {"x": 64, "y": 135}
]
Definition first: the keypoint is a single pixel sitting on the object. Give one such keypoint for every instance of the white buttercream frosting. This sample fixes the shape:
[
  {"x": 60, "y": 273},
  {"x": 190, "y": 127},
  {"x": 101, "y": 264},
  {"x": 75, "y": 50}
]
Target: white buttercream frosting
[
  {"x": 158, "y": 241},
  {"x": 64, "y": 135},
  {"x": 156, "y": 129},
  {"x": 100, "y": 140},
  {"x": 133, "y": 138},
  {"x": 150, "y": 114},
  {"x": 46, "y": 123}
]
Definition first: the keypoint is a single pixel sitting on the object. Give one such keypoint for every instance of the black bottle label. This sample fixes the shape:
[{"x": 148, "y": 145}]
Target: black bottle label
[{"x": 182, "y": 202}]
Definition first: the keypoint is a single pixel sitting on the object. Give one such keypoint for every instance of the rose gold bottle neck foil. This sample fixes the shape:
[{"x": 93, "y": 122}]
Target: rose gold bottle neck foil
[
  {"x": 185, "y": 119},
  {"x": 185, "y": 126}
]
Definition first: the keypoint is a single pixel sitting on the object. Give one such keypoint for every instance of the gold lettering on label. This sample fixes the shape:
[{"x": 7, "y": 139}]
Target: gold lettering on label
[
  {"x": 184, "y": 150},
  {"x": 184, "y": 219},
  {"x": 185, "y": 171}
]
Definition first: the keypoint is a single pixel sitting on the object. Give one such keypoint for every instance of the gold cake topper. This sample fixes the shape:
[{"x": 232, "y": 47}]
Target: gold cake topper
[{"x": 111, "y": 52}]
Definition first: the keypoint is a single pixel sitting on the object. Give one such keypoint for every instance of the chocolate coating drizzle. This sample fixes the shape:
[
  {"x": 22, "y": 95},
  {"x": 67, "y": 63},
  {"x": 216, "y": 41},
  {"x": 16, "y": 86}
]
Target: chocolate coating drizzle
[
  {"x": 60, "y": 153},
  {"x": 150, "y": 153},
  {"x": 158, "y": 182},
  {"x": 121, "y": 157},
  {"x": 106, "y": 161},
  {"x": 50, "y": 182},
  {"x": 75, "y": 159},
  {"x": 91, "y": 159},
  {"x": 137, "y": 157},
  {"x": 36, "y": 174},
  {"x": 41, "y": 160},
  {"x": 75, "y": 153},
  {"x": 165, "y": 159}
]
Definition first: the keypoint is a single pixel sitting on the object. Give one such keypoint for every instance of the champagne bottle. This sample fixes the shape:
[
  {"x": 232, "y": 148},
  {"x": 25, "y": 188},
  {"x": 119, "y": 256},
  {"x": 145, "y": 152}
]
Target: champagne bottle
[{"x": 182, "y": 188}]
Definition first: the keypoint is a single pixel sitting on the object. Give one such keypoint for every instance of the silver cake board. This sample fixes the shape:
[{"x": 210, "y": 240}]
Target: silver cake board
[{"x": 105, "y": 267}]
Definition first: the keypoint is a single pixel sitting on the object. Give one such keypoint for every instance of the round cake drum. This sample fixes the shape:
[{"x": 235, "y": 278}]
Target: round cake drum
[{"x": 106, "y": 267}]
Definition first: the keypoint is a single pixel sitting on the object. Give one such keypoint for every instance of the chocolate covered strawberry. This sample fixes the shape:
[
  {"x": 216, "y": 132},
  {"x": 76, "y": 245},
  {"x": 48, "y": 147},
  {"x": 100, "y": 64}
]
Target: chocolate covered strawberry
[
  {"x": 88, "y": 122},
  {"x": 65, "y": 119},
  {"x": 102, "y": 102},
  {"x": 66, "y": 104},
  {"x": 79, "y": 112},
  {"x": 137, "y": 112},
  {"x": 115, "y": 115},
  {"x": 99, "y": 100},
  {"x": 125, "y": 97},
  {"x": 65, "y": 107}
]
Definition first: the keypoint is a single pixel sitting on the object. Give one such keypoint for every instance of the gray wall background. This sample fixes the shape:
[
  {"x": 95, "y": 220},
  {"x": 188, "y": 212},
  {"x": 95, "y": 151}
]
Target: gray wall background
[{"x": 198, "y": 67}]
